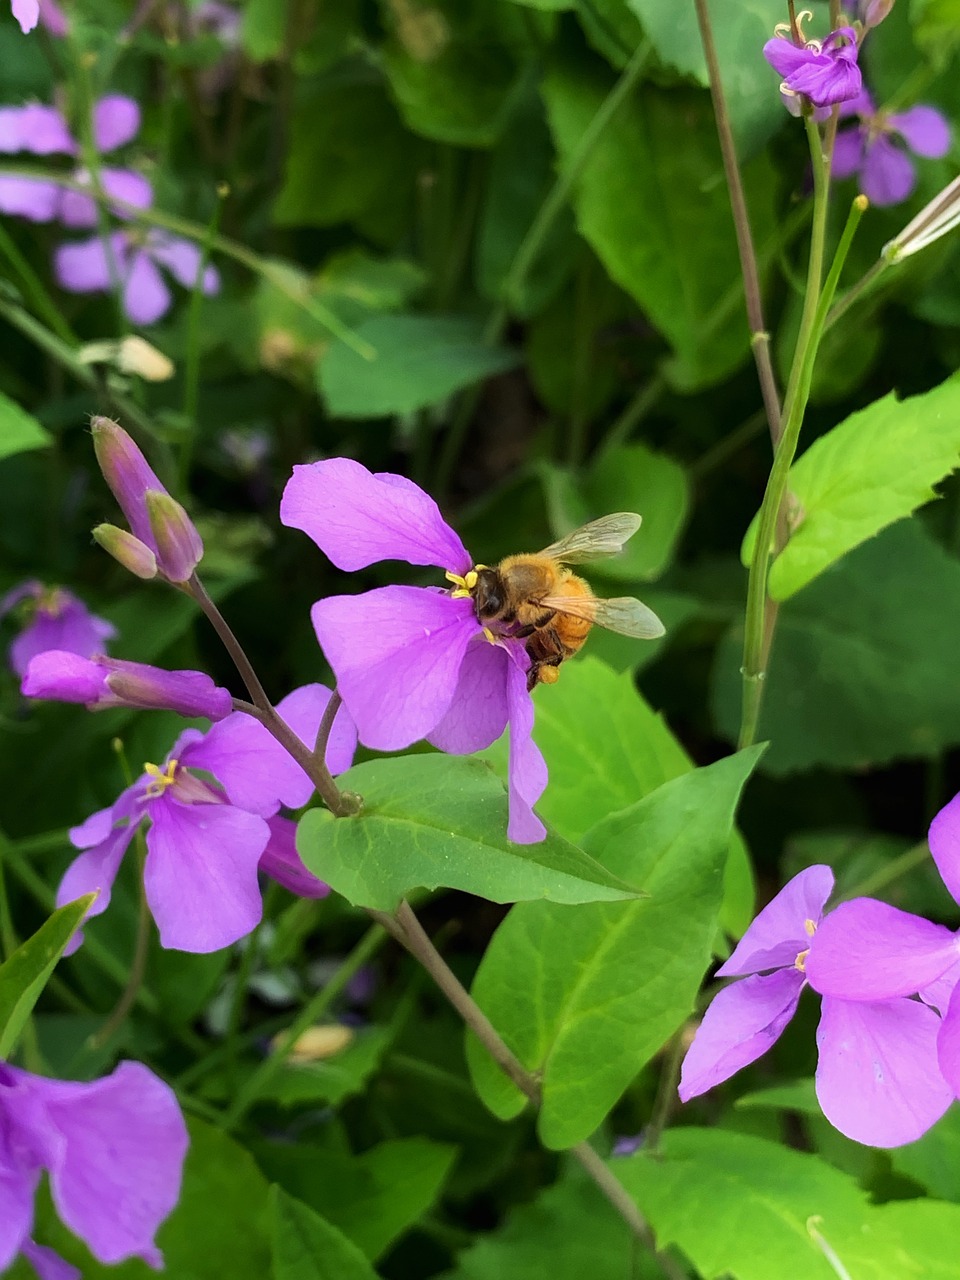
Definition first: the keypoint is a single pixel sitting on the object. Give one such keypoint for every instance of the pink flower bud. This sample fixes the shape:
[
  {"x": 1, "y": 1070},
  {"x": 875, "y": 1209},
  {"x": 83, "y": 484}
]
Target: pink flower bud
[
  {"x": 873, "y": 12},
  {"x": 179, "y": 546},
  {"x": 127, "y": 550},
  {"x": 126, "y": 471}
]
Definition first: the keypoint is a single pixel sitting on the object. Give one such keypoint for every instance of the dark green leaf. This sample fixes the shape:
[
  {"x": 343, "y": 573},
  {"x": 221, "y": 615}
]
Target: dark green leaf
[
  {"x": 419, "y": 361},
  {"x": 430, "y": 821},
  {"x": 19, "y": 430},
  {"x": 25, "y": 973},
  {"x": 307, "y": 1247},
  {"x": 612, "y": 981}
]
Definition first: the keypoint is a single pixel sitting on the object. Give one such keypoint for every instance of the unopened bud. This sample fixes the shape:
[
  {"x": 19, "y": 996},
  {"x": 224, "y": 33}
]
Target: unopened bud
[
  {"x": 179, "y": 546},
  {"x": 126, "y": 471},
  {"x": 131, "y": 354},
  {"x": 127, "y": 550},
  {"x": 873, "y": 12},
  {"x": 316, "y": 1043}
]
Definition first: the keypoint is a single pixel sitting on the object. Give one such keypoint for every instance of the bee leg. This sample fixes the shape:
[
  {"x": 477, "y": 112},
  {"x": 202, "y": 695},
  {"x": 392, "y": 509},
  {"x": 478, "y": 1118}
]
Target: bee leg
[{"x": 546, "y": 651}]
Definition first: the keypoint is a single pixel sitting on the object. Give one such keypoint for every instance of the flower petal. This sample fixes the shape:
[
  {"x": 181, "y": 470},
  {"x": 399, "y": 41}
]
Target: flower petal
[
  {"x": 887, "y": 175},
  {"x": 182, "y": 258},
  {"x": 944, "y": 839},
  {"x": 145, "y": 296},
  {"x": 877, "y": 1076},
  {"x": 848, "y": 151},
  {"x": 35, "y": 128},
  {"x": 948, "y": 1042},
  {"x": 200, "y": 875},
  {"x": 116, "y": 120},
  {"x": 95, "y": 870},
  {"x": 123, "y": 1159},
  {"x": 357, "y": 518},
  {"x": 83, "y": 267},
  {"x": 925, "y": 130},
  {"x": 29, "y": 198},
  {"x": 527, "y": 778},
  {"x": 478, "y": 713},
  {"x": 72, "y": 629},
  {"x": 281, "y": 862},
  {"x": 17, "y": 1189},
  {"x": 48, "y": 1264},
  {"x": 255, "y": 770},
  {"x": 396, "y": 653},
  {"x": 27, "y": 13},
  {"x": 868, "y": 950},
  {"x": 779, "y": 933},
  {"x": 740, "y": 1025}
]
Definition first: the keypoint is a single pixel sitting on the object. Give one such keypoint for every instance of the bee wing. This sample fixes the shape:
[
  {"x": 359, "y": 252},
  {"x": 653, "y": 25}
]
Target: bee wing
[
  {"x": 623, "y": 614},
  {"x": 593, "y": 541}
]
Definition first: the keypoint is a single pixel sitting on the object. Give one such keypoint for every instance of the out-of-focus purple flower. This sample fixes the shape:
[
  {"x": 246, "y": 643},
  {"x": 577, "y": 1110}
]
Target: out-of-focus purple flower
[
  {"x": 208, "y": 839},
  {"x": 869, "y": 950},
  {"x": 886, "y": 174},
  {"x": 414, "y": 662},
  {"x": 627, "y": 1145},
  {"x": 55, "y": 619},
  {"x": 114, "y": 1151},
  {"x": 43, "y": 131},
  {"x": 53, "y": 19},
  {"x": 872, "y": 12},
  {"x": 27, "y": 13},
  {"x": 165, "y": 531},
  {"x": 877, "y": 1076},
  {"x": 134, "y": 259},
  {"x": 825, "y": 72},
  {"x": 59, "y": 676}
]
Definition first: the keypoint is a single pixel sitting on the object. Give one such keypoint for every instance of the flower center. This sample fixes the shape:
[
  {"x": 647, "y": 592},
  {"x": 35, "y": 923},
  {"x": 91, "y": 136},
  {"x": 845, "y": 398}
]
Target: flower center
[
  {"x": 809, "y": 928},
  {"x": 465, "y": 587},
  {"x": 160, "y": 779}
]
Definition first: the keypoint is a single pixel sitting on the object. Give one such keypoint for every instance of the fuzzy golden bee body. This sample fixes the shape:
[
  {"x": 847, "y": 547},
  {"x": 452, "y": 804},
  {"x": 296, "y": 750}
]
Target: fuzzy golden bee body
[{"x": 535, "y": 597}]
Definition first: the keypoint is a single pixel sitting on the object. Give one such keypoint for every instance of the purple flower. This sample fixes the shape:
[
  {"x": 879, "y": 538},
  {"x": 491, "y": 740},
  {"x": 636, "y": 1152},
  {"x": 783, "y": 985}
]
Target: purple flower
[
  {"x": 44, "y": 131},
  {"x": 823, "y": 72},
  {"x": 134, "y": 258},
  {"x": 60, "y": 676},
  {"x": 56, "y": 619},
  {"x": 872, "y": 951},
  {"x": 114, "y": 1152},
  {"x": 163, "y": 533},
  {"x": 207, "y": 840},
  {"x": 886, "y": 173},
  {"x": 414, "y": 662},
  {"x": 877, "y": 1077}
]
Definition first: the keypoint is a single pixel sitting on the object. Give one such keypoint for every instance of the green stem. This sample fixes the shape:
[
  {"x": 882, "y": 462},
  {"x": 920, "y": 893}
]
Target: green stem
[
  {"x": 314, "y": 1009},
  {"x": 761, "y": 613},
  {"x": 138, "y": 966},
  {"x": 191, "y": 376},
  {"x": 857, "y": 291},
  {"x": 913, "y": 857},
  {"x": 37, "y": 295}
]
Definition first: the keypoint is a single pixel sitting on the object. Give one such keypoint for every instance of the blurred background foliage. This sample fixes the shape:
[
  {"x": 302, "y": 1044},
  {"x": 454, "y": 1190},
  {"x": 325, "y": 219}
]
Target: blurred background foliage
[{"x": 485, "y": 243}]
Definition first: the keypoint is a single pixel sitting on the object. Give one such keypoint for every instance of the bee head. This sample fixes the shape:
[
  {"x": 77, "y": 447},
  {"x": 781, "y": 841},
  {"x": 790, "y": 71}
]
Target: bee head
[{"x": 489, "y": 595}]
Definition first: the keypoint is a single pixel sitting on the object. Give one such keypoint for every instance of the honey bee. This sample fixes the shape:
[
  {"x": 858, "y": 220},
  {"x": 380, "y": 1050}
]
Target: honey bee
[{"x": 537, "y": 598}]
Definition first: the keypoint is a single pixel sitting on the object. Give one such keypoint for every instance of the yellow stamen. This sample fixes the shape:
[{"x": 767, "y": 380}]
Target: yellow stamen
[
  {"x": 489, "y": 634},
  {"x": 810, "y": 927},
  {"x": 160, "y": 779},
  {"x": 801, "y": 960},
  {"x": 464, "y": 586}
]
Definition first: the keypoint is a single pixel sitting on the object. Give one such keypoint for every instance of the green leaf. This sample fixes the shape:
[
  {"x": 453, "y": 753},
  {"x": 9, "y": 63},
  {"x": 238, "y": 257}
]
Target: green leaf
[
  {"x": 374, "y": 1197},
  {"x": 307, "y": 1247},
  {"x": 432, "y": 821},
  {"x": 333, "y": 1079},
  {"x": 745, "y": 1207},
  {"x": 419, "y": 361},
  {"x": 738, "y": 25},
  {"x": 876, "y": 467},
  {"x": 263, "y": 30},
  {"x": 449, "y": 69},
  {"x": 934, "y": 1159},
  {"x": 794, "y": 1095},
  {"x": 636, "y": 478},
  {"x": 610, "y": 982},
  {"x": 24, "y": 975},
  {"x": 652, "y": 203},
  {"x": 19, "y": 430},
  {"x": 882, "y": 622}
]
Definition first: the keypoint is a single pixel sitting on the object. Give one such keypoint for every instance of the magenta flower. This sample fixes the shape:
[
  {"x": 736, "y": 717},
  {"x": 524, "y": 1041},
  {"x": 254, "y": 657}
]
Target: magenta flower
[
  {"x": 414, "y": 662},
  {"x": 877, "y": 1077},
  {"x": 164, "y": 538},
  {"x": 101, "y": 682},
  {"x": 43, "y": 131},
  {"x": 886, "y": 174},
  {"x": 875, "y": 952},
  {"x": 825, "y": 72},
  {"x": 113, "y": 1150},
  {"x": 134, "y": 259},
  {"x": 207, "y": 839},
  {"x": 55, "y": 619}
]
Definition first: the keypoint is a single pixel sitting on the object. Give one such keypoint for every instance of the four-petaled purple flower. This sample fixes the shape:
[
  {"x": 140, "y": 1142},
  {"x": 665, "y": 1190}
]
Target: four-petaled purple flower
[
  {"x": 114, "y": 1151},
  {"x": 877, "y": 1077},
  {"x": 872, "y": 951},
  {"x": 44, "y": 131},
  {"x": 414, "y": 662},
  {"x": 208, "y": 839},
  {"x": 55, "y": 619},
  {"x": 885, "y": 171},
  {"x": 825, "y": 72}
]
